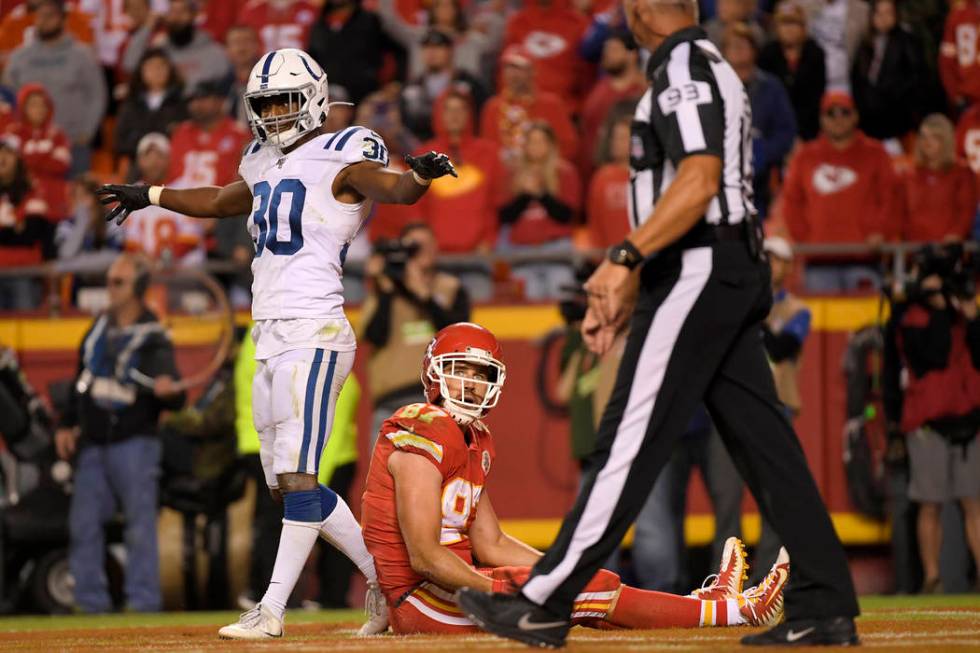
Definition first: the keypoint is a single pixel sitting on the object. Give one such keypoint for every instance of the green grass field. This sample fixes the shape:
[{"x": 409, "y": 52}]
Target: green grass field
[{"x": 919, "y": 623}]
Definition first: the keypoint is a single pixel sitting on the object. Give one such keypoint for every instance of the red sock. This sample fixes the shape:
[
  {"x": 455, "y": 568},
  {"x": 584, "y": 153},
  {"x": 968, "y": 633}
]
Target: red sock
[{"x": 644, "y": 610}]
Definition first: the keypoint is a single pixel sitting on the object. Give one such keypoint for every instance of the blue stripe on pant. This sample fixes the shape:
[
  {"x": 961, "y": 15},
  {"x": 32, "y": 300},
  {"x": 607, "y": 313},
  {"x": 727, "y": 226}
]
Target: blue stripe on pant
[
  {"x": 326, "y": 419},
  {"x": 308, "y": 411},
  {"x": 121, "y": 475}
]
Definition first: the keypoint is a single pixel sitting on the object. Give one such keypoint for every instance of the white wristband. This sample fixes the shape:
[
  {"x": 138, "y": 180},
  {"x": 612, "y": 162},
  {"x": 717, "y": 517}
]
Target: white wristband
[
  {"x": 154, "y": 194},
  {"x": 421, "y": 181}
]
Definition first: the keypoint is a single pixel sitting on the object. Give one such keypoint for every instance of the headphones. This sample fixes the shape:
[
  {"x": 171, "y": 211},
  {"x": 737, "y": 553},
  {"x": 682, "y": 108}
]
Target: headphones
[{"x": 142, "y": 281}]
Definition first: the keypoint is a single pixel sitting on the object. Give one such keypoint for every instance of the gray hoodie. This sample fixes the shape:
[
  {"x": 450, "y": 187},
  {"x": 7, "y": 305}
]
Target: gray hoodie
[{"x": 72, "y": 76}]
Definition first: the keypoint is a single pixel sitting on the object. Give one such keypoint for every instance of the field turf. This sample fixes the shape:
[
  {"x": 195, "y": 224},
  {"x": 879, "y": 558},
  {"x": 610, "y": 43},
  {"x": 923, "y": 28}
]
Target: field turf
[{"x": 916, "y": 624}]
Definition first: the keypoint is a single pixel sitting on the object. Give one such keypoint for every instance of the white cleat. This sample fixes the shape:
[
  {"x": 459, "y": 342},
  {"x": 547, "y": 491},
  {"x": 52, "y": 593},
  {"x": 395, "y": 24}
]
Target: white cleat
[
  {"x": 377, "y": 612},
  {"x": 257, "y": 623}
]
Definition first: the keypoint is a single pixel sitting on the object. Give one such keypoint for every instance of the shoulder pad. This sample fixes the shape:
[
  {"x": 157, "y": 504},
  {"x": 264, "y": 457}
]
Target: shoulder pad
[
  {"x": 355, "y": 144},
  {"x": 251, "y": 148},
  {"x": 426, "y": 428}
]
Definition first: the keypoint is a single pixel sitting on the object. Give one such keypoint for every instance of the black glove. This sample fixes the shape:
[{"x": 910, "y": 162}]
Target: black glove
[
  {"x": 129, "y": 198},
  {"x": 431, "y": 165}
]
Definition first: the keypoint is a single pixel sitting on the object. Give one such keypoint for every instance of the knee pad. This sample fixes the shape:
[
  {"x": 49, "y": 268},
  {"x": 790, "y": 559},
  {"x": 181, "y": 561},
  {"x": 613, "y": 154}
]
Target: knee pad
[
  {"x": 328, "y": 501},
  {"x": 302, "y": 506}
]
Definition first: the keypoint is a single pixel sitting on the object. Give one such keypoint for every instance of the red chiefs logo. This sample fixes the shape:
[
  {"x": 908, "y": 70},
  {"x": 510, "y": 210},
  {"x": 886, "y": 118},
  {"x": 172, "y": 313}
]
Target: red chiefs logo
[{"x": 486, "y": 462}]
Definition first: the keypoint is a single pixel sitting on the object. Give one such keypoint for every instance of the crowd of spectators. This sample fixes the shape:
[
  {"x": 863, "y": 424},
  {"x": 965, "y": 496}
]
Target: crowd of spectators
[{"x": 866, "y": 107}]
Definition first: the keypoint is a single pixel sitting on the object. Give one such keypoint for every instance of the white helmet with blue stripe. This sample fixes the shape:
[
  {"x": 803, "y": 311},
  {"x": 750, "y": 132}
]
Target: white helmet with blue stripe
[{"x": 286, "y": 76}]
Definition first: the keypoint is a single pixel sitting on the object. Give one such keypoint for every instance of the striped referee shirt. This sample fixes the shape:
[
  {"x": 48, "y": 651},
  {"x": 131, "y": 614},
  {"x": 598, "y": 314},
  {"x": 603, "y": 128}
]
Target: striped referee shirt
[{"x": 696, "y": 104}]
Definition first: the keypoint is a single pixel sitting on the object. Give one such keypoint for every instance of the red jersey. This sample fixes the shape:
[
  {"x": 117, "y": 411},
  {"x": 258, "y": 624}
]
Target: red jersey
[
  {"x": 840, "y": 196},
  {"x": 279, "y": 24},
  {"x": 462, "y": 457},
  {"x": 551, "y": 35},
  {"x": 160, "y": 233},
  {"x": 959, "y": 54},
  {"x": 607, "y": 213},
  {"x": 938, "y": 203},
  {"x": 968, "y": 138},
  {"x": 200, "y": 157}
]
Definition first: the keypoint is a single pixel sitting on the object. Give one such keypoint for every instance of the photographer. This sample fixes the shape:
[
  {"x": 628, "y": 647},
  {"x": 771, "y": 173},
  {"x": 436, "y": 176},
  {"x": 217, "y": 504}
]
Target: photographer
[
  {"x": 409, "y": 302},
  {"x": 126, "y": 378},
  {"x": 939, "y": 346}
]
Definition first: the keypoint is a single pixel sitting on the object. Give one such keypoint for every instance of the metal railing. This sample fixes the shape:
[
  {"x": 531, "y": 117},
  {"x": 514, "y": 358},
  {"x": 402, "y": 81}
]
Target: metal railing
[{"x": 891, "y": 257}]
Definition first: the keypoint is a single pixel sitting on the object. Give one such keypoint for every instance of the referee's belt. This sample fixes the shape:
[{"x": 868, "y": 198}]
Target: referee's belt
[{"x": 708, "y": 234}]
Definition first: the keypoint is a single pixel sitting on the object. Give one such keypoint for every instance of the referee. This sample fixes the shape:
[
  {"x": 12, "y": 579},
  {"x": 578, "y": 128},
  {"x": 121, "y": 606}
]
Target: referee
[{"x": 694, "y": 310}]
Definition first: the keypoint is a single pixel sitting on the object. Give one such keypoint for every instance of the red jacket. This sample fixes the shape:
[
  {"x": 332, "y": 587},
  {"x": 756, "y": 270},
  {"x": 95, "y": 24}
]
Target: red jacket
[
  {"x": 936, "y": 204},
  {"x": 607, "y": 213},
  {"x": 840, "y": 196},
  {"x": 463, "y": 211},
  {"x": 46, "y": 152},
  {"x": 959, "y": 56},
  {"x": 551, "y": 35},
  {"x": 206, "y": 158},
  {"x": 950, "y": 392},
  {"x": 504, "y": 121}
]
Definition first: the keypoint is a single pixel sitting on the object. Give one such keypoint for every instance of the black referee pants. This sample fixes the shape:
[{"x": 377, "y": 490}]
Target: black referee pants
[{"x": 695, "y": 336}]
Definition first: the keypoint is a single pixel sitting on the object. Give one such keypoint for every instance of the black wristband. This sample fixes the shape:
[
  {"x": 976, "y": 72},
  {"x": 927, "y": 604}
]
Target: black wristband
[{"x": 625, "y": 254}]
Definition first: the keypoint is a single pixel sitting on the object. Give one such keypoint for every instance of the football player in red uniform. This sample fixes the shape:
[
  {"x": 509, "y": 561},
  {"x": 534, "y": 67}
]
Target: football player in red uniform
[{"x": 427, "y": 517}]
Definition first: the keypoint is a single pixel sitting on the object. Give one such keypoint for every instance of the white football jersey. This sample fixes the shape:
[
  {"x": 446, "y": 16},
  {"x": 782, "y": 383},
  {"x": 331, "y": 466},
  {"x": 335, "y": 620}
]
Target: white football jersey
[{"x": 300, "y": 230}]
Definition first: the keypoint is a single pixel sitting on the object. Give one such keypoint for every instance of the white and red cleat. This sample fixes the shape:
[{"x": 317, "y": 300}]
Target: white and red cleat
[
  {"x": 727, "y": 583},
  {"x": 762, "y": 605}
]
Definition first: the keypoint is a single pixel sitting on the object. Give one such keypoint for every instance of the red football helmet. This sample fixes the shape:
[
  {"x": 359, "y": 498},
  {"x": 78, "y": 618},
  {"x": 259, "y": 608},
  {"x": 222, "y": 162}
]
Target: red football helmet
[{"x": 468, "y": 343}]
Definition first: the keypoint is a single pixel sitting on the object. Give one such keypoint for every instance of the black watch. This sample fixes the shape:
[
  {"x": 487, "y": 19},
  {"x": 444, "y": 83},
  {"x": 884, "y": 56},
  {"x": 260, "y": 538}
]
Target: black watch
[{"x": 625, "y": 254}]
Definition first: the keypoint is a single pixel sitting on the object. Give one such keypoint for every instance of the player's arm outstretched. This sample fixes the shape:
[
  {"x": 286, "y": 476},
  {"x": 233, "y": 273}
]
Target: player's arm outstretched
[
  {"x": 371, "y": 180},
  {"x": 206, "y": 202},
  {"x": 492, "y": 546},
  {"x": 418, "y": 492}
]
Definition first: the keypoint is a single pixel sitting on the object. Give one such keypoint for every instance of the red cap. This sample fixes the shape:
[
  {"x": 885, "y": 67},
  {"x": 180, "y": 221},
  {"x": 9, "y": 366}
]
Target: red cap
[
  {"x": 840, "y": 99},
  {"x": 516, "y": 55}
]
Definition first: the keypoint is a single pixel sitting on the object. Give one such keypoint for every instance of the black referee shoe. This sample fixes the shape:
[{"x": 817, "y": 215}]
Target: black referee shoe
[
  {"x": 514, "y": 617},
  {"x": 836, "y": 631}
]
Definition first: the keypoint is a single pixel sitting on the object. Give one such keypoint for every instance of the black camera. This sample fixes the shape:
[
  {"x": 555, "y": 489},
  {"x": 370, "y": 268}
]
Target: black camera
[
  {"x": 396, "y": 255},
  {"x": 956, "y": 269}
]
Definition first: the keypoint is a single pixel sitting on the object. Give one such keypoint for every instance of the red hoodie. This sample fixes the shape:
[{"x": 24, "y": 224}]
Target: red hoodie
[
  {"x": 463, "y": 211},
  {"x": 840, "y": 196},
  {"x": 551, "y": 34},
  {"x": 937, "y": 203},
  {"x": 46, "y": 152}
]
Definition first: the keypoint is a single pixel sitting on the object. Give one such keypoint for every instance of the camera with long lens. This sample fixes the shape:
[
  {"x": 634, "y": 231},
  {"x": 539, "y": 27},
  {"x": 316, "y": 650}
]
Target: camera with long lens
[
  {"x": 956, "y": 269},
  {"x": 396, "y": 256}
]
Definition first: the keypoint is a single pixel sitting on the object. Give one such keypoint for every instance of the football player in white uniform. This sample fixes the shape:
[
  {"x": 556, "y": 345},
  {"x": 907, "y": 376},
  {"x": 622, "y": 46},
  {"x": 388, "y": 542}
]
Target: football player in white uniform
[{"x": 307, "y": 193}]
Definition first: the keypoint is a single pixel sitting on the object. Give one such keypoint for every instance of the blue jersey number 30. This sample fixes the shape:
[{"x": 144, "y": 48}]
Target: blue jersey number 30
[{"x": 269, "y": 200}]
